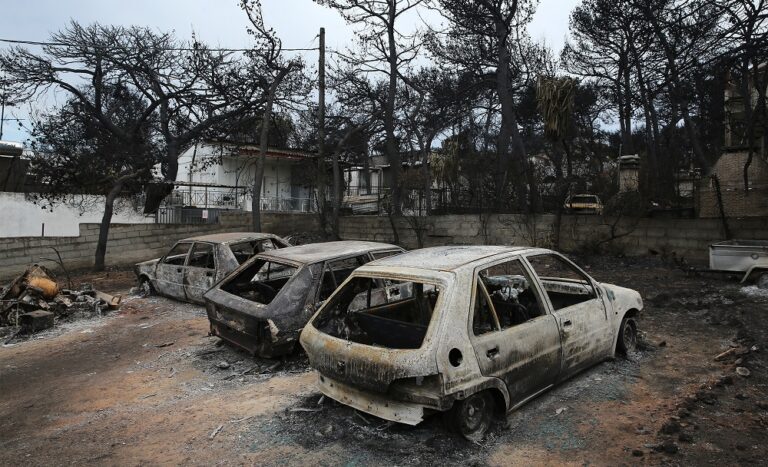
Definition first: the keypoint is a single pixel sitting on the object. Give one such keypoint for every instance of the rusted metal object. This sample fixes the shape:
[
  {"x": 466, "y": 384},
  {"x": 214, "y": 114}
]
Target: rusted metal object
[
  {"x": 263, "y": 305},
  {"x": 503, "y": 324},
  {"x": 194, "y": 264}
]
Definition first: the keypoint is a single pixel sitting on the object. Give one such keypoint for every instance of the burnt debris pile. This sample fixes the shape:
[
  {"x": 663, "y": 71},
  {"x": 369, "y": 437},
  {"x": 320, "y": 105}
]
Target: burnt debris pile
[{"x": 35, "y": 300}]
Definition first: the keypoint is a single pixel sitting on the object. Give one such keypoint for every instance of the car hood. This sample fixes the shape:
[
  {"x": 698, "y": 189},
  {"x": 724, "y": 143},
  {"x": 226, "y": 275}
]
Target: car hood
[
  {"x": 622, "y": 298},
  {"x": 146, "y": 266}
]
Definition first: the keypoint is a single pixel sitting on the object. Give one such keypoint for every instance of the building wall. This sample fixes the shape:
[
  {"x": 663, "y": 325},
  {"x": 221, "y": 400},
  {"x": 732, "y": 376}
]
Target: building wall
[
  {"x": 240, "y": 172},
  {"x": 729, "y": 169},
  {"x": 132, "y": 243},
  {"x": 23, "y": 218}
]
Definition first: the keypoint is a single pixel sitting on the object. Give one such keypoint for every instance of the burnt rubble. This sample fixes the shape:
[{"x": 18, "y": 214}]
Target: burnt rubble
[{"x": 34, "y": 301}]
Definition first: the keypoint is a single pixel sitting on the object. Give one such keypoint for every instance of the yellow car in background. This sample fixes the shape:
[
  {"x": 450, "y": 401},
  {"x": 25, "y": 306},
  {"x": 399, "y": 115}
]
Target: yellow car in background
[{"x": 584, "y": 204}]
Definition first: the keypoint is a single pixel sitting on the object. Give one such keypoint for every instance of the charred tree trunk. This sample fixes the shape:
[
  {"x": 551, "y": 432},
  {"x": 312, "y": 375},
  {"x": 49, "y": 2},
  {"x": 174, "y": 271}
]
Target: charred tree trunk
[
  {"x": 508, "y": 133},
  {"x": 427, "y": 174},
  {"x": 393, "y": 155},
  {"x": 106, "y": 220},
  {"x": 337, "y": 193},
  {"x": 263, "y": 147}
]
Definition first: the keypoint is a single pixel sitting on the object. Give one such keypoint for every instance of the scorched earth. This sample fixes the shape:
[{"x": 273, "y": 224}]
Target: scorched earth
[{"x": 146, "y": 385}]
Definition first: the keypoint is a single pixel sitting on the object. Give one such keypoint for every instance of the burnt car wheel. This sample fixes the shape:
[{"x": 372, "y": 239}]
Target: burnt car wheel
[
  {"x": 145, "y": 286},
  {"x": 627, "y": 336},
  {"x": 472, "y": 416},
  {"x": 762, "y": 281}
]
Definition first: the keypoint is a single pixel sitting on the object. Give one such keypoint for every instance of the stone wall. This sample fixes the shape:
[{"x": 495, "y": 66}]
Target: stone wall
[
  {"x": 729, "y": 169},
  {"x": 279, "y": 223},
  {"x": 131, "y": 243},
  {"x": 687, "y": 238}
]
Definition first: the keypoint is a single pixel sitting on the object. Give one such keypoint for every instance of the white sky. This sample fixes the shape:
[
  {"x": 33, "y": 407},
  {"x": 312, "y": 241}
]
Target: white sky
[{"x": 218, "y": 23}]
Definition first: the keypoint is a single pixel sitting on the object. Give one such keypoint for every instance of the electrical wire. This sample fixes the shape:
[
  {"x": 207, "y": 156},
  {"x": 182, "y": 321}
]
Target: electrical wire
[{"x": 180, "y": 49}]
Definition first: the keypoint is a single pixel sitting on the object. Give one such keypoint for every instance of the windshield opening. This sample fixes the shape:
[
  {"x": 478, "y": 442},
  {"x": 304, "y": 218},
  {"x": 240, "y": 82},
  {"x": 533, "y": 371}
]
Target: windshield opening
[
  {"x": 380, "y": 312},
  {"x": 583, "y": 199},
  {"x": 261, "y": 281}
]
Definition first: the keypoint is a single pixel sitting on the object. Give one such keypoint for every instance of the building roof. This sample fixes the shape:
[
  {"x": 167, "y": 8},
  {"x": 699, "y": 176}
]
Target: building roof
[
  {"x": 445, "y": 258},
  {"x": 230, "y": 237},
  {"x": 316, "y": 252},
  {"x": 239, "y": 148}
]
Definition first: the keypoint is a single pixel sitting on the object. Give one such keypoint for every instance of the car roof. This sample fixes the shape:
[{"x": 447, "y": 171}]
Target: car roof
[
  {"x": 446, "y": 258},
  {"x": 316, "y": 252},
  {"x": 229, "y": 237}
]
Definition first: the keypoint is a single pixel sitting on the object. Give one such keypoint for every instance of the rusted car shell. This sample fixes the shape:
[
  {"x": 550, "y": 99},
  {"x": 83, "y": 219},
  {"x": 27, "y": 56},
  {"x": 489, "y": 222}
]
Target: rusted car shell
[
  {"x": 403, "y": 385},
  {"x": 225, "y": 260},
  {"x": 273, "y": 329}
]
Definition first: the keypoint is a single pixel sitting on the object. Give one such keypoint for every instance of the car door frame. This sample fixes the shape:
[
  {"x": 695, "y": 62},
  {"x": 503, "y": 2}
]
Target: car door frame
[
  {"x": 170, "y": 288},
  {"x": 324, "y": 267},
  {"x": 527, "y": 377},
  {"x": 589, "y": 328},
  {"x": 210, "y": 275}
]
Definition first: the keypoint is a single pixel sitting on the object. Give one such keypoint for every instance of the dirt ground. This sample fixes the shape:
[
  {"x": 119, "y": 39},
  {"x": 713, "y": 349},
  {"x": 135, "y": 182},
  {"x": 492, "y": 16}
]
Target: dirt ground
[{"x": 146, "y": 385}]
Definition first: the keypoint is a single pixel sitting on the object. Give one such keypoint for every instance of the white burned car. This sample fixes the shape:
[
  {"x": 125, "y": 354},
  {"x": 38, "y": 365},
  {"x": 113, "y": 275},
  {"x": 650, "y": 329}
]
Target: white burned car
[
  {"x": 467, "y": 330},
  {"x": 194, "y": 264}
]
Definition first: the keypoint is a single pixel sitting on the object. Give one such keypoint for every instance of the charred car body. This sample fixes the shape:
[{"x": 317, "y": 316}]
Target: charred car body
[
  {"x": 464, "y": 330},
  {"x": 584, "y": 204},
  {"x": 194, "y": 264},
  {"x": 264, "y": 304}
]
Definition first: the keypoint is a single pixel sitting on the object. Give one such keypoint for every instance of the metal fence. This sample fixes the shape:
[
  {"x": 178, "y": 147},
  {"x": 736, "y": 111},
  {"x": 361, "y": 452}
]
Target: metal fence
[
  {"x": 205, "y": 197},
  {"x": 183, "y": 215},
  {"x": 288, "y": 204}
]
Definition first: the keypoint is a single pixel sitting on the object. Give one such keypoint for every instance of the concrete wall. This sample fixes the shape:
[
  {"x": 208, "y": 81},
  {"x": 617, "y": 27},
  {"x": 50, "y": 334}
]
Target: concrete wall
[
  {"x": 687, "y": 238},
  {"x": 23, "y": 218},
  {"x": 129, "y": 244}
]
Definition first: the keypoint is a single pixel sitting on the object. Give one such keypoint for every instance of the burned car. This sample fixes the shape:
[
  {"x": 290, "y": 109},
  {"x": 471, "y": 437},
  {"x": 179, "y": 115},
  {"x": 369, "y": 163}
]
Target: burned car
[
  {"x": 470, "y": 331},
  {"x": 264, "y": 304},
  {"x": 194, "y": 264}
]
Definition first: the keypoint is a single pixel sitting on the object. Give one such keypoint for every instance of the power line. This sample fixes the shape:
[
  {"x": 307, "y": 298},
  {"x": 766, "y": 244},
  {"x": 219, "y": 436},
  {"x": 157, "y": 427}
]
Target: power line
[{"x": 179, "y": 49}]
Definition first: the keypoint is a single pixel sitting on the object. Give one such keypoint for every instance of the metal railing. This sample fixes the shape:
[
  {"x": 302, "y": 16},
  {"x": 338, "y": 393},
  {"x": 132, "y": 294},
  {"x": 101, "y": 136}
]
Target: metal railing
[
  {"x": 182, "y": 215},
  {"x": 204, "y": 197},
  {"x": 288, "y": 204}
]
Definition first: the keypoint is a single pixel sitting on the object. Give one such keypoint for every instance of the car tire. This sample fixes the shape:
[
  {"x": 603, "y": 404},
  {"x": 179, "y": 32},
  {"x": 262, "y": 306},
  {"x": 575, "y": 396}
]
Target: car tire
[
  {"x": 472, "y": 417},
  {"x": 145, "y": 286},
  {"x": 762, "y": 281},
  {"x": 627, "y": 342}
]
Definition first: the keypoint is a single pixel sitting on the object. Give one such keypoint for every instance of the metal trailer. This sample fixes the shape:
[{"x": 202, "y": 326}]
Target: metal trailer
[{"x": 741, "y": 256}]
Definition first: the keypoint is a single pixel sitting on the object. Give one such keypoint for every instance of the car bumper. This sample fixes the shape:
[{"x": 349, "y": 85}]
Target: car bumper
[{"x": 374, "y": 404}]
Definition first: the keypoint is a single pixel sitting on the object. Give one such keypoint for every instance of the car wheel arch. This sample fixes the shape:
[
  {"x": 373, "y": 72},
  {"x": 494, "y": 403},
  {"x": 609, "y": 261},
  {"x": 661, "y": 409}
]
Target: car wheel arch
[
  {"x": 630, "y": 313},
  {"x": 496, "y": 388}
]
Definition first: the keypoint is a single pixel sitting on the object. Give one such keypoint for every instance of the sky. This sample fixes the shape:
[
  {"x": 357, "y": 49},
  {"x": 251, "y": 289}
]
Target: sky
[{"x": 219, "y": 23}]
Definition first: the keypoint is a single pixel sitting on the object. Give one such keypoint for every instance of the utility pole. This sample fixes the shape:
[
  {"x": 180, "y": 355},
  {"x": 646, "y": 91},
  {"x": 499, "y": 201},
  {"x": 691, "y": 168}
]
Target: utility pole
[
  {"x": 321, "y": 182},
  {"x": 2, "y": 112}
]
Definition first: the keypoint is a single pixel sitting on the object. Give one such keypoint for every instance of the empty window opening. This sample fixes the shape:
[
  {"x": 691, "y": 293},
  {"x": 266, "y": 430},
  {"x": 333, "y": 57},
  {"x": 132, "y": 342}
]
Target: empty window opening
[
  {"x": 202, "y": 256},
  {"x": 564, "y": 283},
  {"x": 504, "y": 297},
  {"x": 178, "y": 254},
  {"x": 336, "y": 272},
  {"x": 261, "y": 281},
  {"x": 245, "y": 250},
  {"x": 384, "y": 313}
]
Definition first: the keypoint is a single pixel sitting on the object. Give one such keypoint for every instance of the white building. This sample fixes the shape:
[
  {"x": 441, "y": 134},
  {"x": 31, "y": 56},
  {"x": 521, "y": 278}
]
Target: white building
[{"x": 216, "y": 174}]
